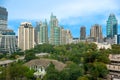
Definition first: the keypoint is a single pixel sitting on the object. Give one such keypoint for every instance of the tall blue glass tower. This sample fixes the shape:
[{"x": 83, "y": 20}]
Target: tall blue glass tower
[
  {"x": 3, "y": 18},
  {"x": 112, "y": 26}
]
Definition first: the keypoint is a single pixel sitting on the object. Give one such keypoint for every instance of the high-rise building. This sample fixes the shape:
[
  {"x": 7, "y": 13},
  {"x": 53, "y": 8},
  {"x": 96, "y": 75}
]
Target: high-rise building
[
  {"x": 96, "y": 33},
  {"x": 41, "y": 32},
  {"x": 112, "y": 26},
  {"x": 69, "y": 37},
  {"x": 26, "y": 36},
  {"x": 82, "y": 33},
  {"x": 66, "y": 36},
  {"x": 55, "y": 31},
  {"x": 63, "y": 36},
  {"x": 3, "y": 18},
  {"x": 8, "y": 42}
]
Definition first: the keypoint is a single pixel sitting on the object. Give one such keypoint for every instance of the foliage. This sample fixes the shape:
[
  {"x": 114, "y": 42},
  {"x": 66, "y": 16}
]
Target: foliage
[
  {"x": 52, "y": 73},
  {"x": 82, "y": 59},
  {"x": 29, "y": 56},
  {"x": 83, "y": 78},
  {"x": 16, "y": 71}
]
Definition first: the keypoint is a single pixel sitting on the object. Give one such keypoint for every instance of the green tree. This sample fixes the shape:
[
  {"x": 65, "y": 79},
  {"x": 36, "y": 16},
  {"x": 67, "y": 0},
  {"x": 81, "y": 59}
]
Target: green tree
[
  {"x": 97, "y": 70},
  {"x": 52, "y": 73},
  {"x": 83, "y": 78},
  {"x": 16, "y": 72},
  {"x": 30, "y": 56}
]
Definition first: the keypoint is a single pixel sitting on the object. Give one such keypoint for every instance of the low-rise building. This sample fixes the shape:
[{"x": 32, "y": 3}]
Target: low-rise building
[
  {"x": 103, "y": 45},
  {"x": 114, "y": 66},
  {"x": 40, "y": 65}
]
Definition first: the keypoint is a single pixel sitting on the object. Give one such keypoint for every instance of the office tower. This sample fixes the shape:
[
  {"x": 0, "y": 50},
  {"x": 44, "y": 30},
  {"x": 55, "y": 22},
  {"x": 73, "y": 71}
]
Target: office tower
[
  {"x": 26, "y": 36},
  {"x": 82, "y": 33},
  {"x": 8, "y": 42},
  {"x": 69, "y": 37},
  {"x": 55, "y": 31},
  {"x": 63, "y": 36},
  {"x": 96, "y": 33},
  {"x": 66, "y": 36},
  {"x": 3, "y": 18},
  {"x": 41, "y": 33},
  {"x": 112, "y": 26}
]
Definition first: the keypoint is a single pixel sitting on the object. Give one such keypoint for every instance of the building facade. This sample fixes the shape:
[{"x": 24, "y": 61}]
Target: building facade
[
  {"x": 116, "y": 39},
  {"x": 55, "y": 31},
  {"x": 96, "y": 33},
  {"x": 41, "y": 32},
  {"x": 83, "y": 33},
  {"x": 26, "y": 36},
  {"x": 66, "y": 37},
  {"x": 8, "y": 42},
  {"x": 63, "y": 36},
  {"x": 114, "y": 66},
  {"x": 112, "y": 26},
  {"x": 69, "y": 37},
  {"x": 3, "y": 18}
]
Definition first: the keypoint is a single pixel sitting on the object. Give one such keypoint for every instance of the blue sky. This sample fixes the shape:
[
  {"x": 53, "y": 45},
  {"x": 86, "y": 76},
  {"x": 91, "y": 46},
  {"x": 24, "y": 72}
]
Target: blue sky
[{"x": 72, "y": 14}]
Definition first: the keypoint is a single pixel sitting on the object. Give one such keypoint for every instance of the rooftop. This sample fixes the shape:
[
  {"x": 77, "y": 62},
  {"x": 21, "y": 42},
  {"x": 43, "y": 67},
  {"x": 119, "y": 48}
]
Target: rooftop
[{"x": 45, "y": 62}]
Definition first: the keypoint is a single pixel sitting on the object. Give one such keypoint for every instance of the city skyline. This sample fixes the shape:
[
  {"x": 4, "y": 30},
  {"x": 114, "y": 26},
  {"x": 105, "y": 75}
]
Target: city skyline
[{"x": 77, "y": 13}]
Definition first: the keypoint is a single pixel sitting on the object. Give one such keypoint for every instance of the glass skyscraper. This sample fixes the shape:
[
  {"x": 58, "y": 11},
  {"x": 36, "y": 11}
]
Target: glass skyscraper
[
  {"x": 55, "y": 31},
  {"x": 112, "y": 26},
  {"x": 3, "y": 18},
  {"x": 41, "y": 33}
]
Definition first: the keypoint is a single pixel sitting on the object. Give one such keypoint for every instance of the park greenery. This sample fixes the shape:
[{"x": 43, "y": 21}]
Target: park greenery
[{"x": 84, "y": 62}]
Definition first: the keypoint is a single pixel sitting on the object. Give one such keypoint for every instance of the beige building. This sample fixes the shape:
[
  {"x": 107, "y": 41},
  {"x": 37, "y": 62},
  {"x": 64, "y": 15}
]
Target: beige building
[
  {"x": 26, "y": 36},
  {"x": 69, "y": 37},
  {"x": 63, "y": 36},
  {"x": 66, "y": 37},
  {"x": 114, "y": 66},
  {"x": 96, "y": 33}
]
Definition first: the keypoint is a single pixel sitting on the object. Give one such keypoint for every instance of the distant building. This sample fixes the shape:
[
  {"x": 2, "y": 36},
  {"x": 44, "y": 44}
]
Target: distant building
[
  {"x": 83, "y": 33},
  {"x": 90, "y": 39},
  {"x": 114, "y": 66},
  {"x": 75, "y": 40},
  {"x": 117, "y": 39},
  {"x": 110, "y": 41},
  {"x": 96, "y": 33},
  {"x": 103, "y": 45},
  {"x": 66, "y": 37},
  {"x": 112, "y": 26},
  {"x": 69, "y": 37},
  {"x": 54, "y": 31},
  {"x": 8, "y": 43},
  {"x": 41, "y": 32},
  {"x": 63, "y": 36},
  {"x": 3, "y": 18},
  {"x": 26, "y": 36}
]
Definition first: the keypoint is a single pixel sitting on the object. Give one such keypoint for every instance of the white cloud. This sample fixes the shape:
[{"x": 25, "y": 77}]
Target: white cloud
[
  {"x": 39, "y": 9},
  {"x": 86, "y": 8},
  {"x": 68, "y": 12}
]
